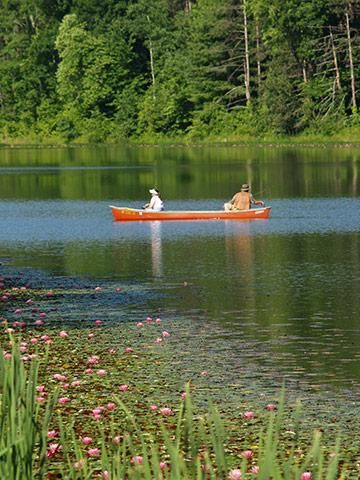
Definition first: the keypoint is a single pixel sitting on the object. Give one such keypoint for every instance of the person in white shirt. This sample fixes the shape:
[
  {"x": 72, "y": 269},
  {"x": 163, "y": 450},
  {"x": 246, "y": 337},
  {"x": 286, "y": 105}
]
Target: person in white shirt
[{"x": 155, "y": 204}]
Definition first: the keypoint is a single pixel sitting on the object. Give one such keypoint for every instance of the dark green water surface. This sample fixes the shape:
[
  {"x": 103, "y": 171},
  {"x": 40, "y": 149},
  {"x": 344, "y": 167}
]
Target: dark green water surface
[{"x": 279, "y": 297}]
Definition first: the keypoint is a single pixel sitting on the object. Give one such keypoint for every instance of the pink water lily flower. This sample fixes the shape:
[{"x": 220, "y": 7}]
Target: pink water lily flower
[
  {"x": 64, "y": 400},
  {"x": 80, "y": 464},
  {"x": 124, "y": 388},
  {"x": 94, "y": 452},
  {"x": 111, "y": 406},
  {"x": 271, "y": 407},
  {"x": 153, "y": 407},
  {"x": 158, "y": 321},
  {"x": 166, "y": 411},
  {"x": 89, "y": 370},
  {"x": 52, "y": 434},
  {"x": 128, "y": 350},
  {"x": 235, "y": 474},
  {"x": 249, "y": 415},
  {"x": 165, "y": 334},
  {"x": 101, "y": 373},
  {"x": 53, "y": 448},
  {"x": 137, "y": 460},
  {"x": 59, "y": 377},
  {"x": 139, "y": 324},
  {"x": 93, "y": 360},
  {"x": 63, "y": 334},
  {"x": 98, "y": 411},
  {"x": 39, "y": 322},
  {"x": 306, "y": 476},
  {"x": 87, "y": 440},
  {"x": 255, "y": 469},
  {"x": 98, "y": 322},
  {"x": 247, "y": 454}
]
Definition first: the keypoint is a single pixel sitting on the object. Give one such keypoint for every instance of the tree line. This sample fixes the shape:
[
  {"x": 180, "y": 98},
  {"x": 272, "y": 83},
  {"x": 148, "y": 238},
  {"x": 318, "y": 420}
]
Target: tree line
[{"x": 119, "y": 70}]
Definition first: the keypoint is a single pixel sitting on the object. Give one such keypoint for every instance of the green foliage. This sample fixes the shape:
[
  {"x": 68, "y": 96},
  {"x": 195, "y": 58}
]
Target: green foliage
[
  {"x": 191, "y": 444},
  {"x": 23, "y": 426},
  {"x": 279, "y": 98},
  {"x": 164, "y": 67}
]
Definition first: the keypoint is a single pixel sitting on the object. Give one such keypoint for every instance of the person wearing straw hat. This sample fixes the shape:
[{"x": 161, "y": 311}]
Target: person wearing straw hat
[
  {"x": 242, "y": 200},
  {"x": 155, "y": 204}
]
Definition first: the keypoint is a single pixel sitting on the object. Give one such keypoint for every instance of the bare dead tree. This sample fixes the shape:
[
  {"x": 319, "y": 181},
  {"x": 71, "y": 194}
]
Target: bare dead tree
[
  {"x": 304, "y": 71},
  {"x": 337, "y": 73},
  {"x": 258, "y": 62},
  {"x": 351, "y": 65},
  {"x": 151, "y": 61},
  {"x": 247, "y": 60}
]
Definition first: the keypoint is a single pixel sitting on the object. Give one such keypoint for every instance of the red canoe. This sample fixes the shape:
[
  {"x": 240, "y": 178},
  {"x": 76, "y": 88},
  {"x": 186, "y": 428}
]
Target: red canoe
[{"x": 132, "y": 214}]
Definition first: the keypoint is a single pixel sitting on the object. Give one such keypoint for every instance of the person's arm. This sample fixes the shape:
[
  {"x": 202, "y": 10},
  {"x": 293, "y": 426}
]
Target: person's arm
[
  {"x": 260, "y": 203},
  {"x": 233, "y": 200}
]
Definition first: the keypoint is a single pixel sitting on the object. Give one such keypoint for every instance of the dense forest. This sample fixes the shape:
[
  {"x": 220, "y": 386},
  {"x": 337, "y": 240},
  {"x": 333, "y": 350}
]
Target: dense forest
[{"x": 192, "y": 70}]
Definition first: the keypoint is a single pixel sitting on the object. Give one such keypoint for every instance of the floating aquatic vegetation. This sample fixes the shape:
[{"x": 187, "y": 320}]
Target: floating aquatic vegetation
[{"x": 116, "y": 384}]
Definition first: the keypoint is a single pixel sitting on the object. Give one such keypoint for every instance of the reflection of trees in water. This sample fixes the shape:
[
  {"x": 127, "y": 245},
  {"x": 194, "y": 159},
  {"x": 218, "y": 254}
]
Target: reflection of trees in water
[{"x": 91, "y": 173}]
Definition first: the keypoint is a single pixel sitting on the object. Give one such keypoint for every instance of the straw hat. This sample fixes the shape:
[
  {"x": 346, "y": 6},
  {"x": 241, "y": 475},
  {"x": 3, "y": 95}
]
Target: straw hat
[{"x": 245, "y": 187}]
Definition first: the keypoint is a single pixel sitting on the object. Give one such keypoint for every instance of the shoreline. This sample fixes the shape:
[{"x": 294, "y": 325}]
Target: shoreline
[{"x": 188, "y": 145}]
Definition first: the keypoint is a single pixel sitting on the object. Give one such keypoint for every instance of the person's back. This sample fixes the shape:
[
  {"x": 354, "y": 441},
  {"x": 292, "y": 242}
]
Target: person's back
[
  {"x": 241, "y": 201},
  {"x": 155, "y": 204}
]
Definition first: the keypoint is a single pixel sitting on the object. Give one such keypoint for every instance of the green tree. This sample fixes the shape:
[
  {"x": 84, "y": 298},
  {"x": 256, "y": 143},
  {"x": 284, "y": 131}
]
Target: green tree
[{"x": 90, "y": 73}]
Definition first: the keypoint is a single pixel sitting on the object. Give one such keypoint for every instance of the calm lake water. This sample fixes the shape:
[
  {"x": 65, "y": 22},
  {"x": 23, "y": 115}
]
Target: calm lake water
[{"x": 281, "y": 294}]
